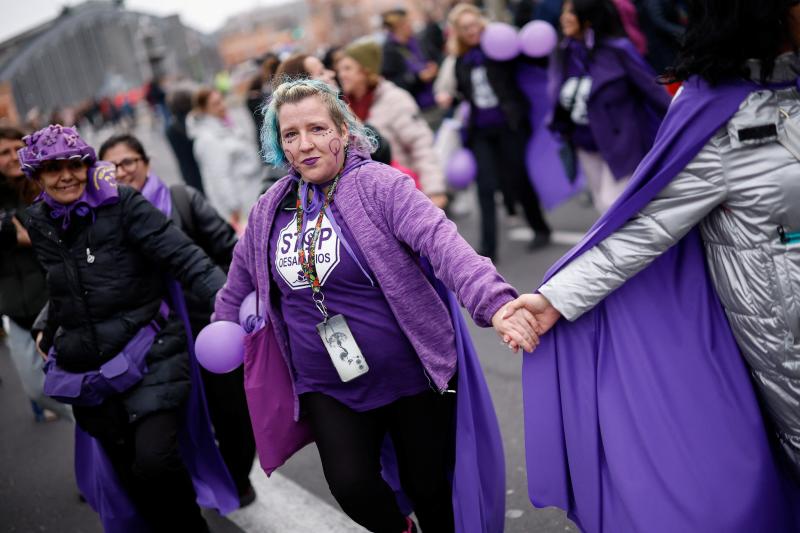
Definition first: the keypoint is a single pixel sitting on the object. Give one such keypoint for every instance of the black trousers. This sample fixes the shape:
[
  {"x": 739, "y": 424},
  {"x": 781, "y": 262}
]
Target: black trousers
[
  {"x": 349, "y": 444},
  {"x": 500, "y": 154},
  {"x": 227, "y": 407},
  {"x": 147, "y": 461}
]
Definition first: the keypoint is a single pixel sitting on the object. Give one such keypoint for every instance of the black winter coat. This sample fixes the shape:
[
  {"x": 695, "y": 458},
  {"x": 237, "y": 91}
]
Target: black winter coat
[
  {"x": 106, "y": 281},
  {"x": 192, "y": 213}
]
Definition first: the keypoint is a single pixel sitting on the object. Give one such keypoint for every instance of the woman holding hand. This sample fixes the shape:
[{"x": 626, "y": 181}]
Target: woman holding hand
[{"x": 334, "y": 250}]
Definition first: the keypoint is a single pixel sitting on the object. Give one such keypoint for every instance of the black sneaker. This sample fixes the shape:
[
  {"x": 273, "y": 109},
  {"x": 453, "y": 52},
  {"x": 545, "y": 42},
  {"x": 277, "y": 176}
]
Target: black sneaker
[{"x": 540, "y": 240}]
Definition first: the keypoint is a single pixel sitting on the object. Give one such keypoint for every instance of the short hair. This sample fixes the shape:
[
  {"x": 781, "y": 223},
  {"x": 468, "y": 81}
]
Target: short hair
[
  {"x": 294, "y": 91},
  {"x": 128, "y": 140}
]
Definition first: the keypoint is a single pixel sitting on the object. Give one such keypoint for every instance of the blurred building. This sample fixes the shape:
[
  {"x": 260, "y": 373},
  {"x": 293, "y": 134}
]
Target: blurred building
[
  {"x": 257, "y": 31},
  {"x": 97, "y": 49}
]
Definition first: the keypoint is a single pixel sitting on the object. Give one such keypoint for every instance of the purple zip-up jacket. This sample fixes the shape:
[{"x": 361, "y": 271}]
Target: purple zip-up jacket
[{"x": 393, "y": 224}]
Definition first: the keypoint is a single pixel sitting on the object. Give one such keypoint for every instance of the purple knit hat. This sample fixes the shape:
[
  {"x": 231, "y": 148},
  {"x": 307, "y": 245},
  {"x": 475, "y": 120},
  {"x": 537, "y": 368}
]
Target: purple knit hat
[{"x": 53, "y": 142}]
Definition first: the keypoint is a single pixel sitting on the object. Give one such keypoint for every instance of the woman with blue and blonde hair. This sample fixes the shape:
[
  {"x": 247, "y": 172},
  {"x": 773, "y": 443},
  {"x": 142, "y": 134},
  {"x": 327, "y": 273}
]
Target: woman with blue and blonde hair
[{"x": 343, "y": 253}]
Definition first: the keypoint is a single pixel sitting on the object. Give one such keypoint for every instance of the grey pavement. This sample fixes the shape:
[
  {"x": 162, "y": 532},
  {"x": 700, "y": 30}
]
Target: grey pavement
[{"x": 37, "y": 487}]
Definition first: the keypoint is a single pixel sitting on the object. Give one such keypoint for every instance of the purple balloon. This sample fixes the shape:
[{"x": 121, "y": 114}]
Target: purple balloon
[
  {"x": 538, "y": 38},
  {"x": 220, "y": 346},
  {"x": 461, "y": 169},
  {"x": 500, "y": 41},
  {"x": 248, "y": 307}
]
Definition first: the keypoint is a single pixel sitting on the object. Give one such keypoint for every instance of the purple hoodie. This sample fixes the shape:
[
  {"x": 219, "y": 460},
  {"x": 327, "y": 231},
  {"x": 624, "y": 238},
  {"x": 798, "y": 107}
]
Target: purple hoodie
[{"x": 393, "y": 224}]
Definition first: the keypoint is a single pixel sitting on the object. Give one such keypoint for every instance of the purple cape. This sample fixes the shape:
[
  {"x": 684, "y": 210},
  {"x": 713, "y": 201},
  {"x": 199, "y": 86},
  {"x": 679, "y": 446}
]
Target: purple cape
[
  {"x": 640, "y": 415},
  {"x": 212, "y": 482}
]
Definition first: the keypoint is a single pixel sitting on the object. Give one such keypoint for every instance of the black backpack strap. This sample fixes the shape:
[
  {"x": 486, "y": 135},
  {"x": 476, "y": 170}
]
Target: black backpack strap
[{"x": 183, "y": 206}]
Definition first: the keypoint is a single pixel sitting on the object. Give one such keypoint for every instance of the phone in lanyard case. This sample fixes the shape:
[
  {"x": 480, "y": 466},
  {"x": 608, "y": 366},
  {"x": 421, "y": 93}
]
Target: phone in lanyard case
[{"x": 342, "y": 348}]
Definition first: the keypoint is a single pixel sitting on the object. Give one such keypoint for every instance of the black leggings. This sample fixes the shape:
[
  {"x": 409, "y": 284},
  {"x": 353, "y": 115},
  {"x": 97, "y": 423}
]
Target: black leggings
[{"x": 349, "y": 444}]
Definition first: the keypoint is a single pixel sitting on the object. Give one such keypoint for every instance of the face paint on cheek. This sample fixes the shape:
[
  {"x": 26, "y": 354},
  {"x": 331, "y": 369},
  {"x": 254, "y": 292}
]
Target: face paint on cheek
[
  {"x": 335, "y": 147},
  {"x": 290, "y": 158}
]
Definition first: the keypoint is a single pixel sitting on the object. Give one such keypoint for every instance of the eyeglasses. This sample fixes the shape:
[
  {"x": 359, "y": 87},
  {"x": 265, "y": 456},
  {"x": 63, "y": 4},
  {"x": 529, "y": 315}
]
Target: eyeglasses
[{"x": 127, "y": 164}]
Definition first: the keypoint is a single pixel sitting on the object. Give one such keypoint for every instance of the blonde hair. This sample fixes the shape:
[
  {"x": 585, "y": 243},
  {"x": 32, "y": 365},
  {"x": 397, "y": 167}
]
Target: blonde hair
[{"x": 455, "y": 45}]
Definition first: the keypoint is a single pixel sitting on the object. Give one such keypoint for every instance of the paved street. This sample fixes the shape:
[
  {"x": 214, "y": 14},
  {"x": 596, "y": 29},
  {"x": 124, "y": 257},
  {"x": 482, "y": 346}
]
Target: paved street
[{"x": 38, "y": 493}]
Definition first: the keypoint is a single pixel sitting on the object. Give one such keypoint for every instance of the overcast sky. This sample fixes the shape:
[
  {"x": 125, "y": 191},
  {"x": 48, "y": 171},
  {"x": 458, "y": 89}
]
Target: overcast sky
[{"x": 205, "y": 15}]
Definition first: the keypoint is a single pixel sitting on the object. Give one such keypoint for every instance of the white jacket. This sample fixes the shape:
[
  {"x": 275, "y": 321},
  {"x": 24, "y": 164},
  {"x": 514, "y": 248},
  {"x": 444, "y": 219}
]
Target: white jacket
[
  {"x": 396, "y": 116},
  {"x": 229, "y": 163}
]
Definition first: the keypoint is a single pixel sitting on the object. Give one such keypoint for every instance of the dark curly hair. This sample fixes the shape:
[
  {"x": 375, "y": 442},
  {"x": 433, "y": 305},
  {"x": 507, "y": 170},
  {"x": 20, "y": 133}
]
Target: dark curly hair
[
  {"x": 601, "y": 15},
  {"x": 723, "y": 34}
]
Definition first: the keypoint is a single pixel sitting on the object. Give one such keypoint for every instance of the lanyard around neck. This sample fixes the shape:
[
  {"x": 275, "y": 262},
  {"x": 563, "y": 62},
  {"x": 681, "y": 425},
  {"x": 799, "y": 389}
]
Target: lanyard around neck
[{"x": 308, "y": 262}]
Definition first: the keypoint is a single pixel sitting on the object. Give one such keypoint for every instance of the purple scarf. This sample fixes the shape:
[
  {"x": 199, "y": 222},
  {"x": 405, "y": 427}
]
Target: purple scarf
[
  {"x": 642, "y": 417},
  {"x": 212, "y": 481},
  {"x": 100, "y": 190}
]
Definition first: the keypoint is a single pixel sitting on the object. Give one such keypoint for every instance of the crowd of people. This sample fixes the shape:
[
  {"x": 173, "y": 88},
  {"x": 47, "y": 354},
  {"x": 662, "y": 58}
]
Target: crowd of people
[{"x": 660, "y": 374}]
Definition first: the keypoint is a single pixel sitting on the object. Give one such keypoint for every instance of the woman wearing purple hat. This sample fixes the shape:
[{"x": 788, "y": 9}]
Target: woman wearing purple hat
[
  {"x": 116, "y": 350},
  {"x": 334, "y": 250}
]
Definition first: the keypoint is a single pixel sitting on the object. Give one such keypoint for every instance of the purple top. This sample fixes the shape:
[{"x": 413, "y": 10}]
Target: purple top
[
  {"x": 394, "y": 368},
  {"x": 485, "y": 109},
  {"x": 575, "y": 95}
]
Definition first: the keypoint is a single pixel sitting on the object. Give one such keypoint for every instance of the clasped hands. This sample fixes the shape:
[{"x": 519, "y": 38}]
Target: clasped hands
[{"x": 521, "y": 322}]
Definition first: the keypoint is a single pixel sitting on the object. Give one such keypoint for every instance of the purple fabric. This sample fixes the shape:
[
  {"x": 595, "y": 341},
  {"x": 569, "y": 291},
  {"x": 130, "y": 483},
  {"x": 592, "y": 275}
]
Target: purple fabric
[
  {"x": 543, "y": 153},
  {"x": 116, "y": 375},
  {"x": 394, "y": 369},
  {"x": 157, "y": 193},
  {"x": 101, "y": 189},
  {"x": 642, "y": 417},
  {"x": 53, "y": 142},
  {"x": 212, "y": 482}
]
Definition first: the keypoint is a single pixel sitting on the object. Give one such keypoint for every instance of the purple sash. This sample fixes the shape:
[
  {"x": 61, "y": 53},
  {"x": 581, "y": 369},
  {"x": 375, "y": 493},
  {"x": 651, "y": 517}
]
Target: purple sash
[{"x": 116, "y": 375}]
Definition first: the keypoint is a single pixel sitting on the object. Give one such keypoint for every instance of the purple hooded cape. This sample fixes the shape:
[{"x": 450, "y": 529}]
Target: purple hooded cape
[
  {"x": 640, "y": 415},
  {"x": 212, "y": 482}
]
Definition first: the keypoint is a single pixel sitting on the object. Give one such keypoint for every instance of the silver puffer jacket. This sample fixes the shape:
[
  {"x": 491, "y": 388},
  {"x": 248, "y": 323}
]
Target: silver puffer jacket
[{"x": 741, "y": 187}]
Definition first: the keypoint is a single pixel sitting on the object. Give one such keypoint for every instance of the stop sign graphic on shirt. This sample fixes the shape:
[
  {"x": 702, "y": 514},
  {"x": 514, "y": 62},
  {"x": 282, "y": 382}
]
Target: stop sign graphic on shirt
[{"x": 327, "y": 254}]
